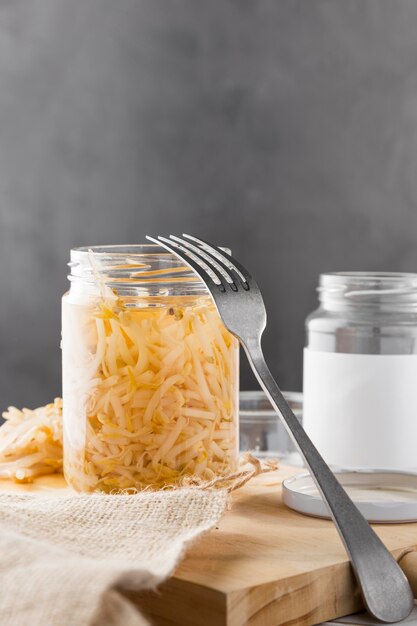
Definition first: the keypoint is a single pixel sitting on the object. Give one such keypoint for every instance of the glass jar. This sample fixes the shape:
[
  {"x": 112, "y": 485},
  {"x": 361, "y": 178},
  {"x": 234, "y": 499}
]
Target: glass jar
[
  {"x": 262, "y": 432},
  {"x": 360, "y": 370},
  {"x": 150, "y": 374}
]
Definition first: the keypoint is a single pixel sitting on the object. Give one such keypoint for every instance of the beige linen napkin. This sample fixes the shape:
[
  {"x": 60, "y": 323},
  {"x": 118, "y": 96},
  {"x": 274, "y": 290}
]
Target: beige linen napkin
[{"x": 64, "y": 560}]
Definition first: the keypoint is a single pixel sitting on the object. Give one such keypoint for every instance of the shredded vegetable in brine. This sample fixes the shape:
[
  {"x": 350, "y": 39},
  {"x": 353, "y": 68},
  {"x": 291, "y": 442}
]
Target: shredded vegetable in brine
[
  {"x": 31, "y": 442},
  {"x": 150, "y": 394}
]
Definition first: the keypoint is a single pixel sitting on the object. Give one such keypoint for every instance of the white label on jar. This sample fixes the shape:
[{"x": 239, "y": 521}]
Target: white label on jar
[{"x": 360, "y": 410}]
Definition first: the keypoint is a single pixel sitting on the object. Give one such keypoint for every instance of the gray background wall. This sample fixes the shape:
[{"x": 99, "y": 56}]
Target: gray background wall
[{"x": 286, "y": 129}]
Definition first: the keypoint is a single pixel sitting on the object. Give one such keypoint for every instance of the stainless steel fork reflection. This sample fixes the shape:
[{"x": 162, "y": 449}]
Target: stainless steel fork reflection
[{"x": 385, "y": 589}]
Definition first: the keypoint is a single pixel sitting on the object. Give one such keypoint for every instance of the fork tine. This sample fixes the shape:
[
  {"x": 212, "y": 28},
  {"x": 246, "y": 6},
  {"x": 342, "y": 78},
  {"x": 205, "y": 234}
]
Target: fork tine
[
  {"x": 200, "y": 267},
  {"x": 225, "y": 258},
  {"x": 222, "y": 269}
]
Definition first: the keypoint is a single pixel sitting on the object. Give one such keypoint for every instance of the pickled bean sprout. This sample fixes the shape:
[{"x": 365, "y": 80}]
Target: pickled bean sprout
[
  {"x": 150, "y": 394},
  {"x": 31, "y": 442}
]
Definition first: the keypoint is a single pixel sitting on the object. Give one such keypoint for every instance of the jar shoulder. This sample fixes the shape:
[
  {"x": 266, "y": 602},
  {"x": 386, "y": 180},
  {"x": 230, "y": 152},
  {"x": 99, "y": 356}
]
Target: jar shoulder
[
  {"x": 336, "y": 331},
  {"x": 327, "y": 320}
]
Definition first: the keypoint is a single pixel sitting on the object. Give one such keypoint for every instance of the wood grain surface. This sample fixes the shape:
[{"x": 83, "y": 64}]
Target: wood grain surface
[{"x": 265, "y": 565}]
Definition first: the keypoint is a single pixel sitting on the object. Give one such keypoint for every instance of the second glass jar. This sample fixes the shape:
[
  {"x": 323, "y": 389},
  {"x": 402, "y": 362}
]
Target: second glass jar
[
  {"x": 360, "y": 370},
  {"x": 150, "y": 373}
]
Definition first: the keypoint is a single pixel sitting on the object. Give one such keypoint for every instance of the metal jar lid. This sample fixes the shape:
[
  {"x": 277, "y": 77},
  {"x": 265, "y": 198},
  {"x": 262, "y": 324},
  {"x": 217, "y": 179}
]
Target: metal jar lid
[{"x": 382, "y": 496}]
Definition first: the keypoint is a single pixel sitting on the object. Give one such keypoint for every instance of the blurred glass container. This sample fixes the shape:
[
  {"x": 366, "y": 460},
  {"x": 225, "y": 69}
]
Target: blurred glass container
[
  {"x": 261, "y": 429},
  {"x": 360, "y": 370}
]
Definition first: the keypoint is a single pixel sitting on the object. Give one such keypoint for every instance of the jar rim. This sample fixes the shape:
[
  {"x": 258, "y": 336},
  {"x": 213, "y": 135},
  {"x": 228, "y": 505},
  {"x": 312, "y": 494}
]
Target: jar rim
[
  {"x": 134, "y": 269},
  {"x": 393, "y": 289},
  {"x": 130, "y": 248},
  {"x": 371, "y": 275}
]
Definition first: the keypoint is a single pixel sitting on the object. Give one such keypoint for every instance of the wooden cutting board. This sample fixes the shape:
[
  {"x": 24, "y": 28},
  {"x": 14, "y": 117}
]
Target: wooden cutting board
[{"x": 265, "y": 565}]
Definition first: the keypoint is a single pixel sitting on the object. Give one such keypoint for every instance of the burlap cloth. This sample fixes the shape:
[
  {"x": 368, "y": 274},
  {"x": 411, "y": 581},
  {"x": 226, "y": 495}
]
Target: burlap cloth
[{"x": 65, "y": 560}]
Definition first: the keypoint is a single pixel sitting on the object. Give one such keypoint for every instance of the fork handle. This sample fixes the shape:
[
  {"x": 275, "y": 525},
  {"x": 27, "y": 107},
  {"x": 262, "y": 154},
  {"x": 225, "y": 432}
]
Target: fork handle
[{"x": 385, "y": 589}]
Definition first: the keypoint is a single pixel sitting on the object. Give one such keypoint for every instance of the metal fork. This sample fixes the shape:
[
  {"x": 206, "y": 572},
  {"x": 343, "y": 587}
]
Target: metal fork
[{"x": 385, "y": 589}]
